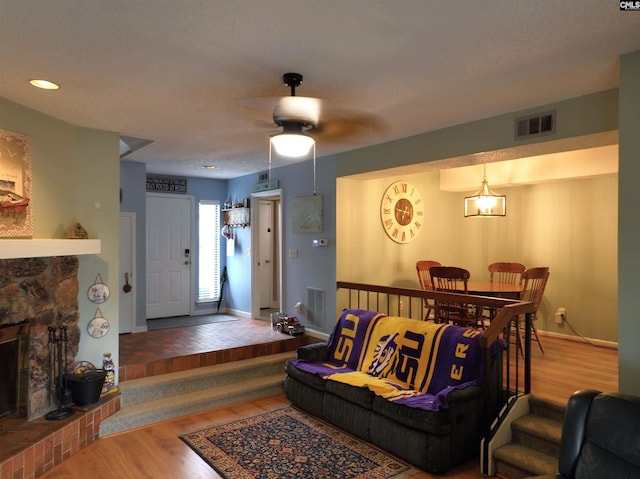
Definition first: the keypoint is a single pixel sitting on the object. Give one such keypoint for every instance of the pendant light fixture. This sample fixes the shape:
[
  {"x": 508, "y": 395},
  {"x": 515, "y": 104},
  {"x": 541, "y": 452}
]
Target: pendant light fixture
[
  {"x": 311, "y": 147},
  {"x": 485, "y": 203}
]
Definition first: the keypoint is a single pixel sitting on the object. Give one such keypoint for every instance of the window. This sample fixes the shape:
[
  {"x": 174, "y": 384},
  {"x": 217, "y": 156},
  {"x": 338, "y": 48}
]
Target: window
[{"x": 209, "y": 251}]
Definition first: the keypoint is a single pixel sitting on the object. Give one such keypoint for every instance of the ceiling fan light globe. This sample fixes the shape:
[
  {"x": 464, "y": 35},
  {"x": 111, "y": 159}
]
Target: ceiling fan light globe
[{"x": 292, "y": 145}]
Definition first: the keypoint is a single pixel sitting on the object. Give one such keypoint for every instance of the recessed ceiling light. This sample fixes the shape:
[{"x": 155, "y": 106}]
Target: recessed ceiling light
[
  {"x": 44, "y": 84},
  {"x": 208, "y": 167}
]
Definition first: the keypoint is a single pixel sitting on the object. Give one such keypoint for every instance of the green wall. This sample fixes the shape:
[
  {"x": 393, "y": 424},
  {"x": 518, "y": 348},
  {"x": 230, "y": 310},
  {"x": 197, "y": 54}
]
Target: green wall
[
  {"x": 585, "y": 117},
  {"x": 629, "y": 231},
  {"x": 76, "y": 179}
]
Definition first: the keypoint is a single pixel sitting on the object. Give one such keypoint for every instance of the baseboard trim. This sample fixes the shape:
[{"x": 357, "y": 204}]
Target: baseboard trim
[
  {"x": 235, "y": 312},
  {"x": 596, "y": 342},
  {"x": 317, "y": 334}
]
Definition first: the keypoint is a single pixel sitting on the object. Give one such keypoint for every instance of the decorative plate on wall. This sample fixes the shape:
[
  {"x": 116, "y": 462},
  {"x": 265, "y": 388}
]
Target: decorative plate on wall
[
  {"x": 98, "y": 292},
  {"x": 98, "y": 326}
]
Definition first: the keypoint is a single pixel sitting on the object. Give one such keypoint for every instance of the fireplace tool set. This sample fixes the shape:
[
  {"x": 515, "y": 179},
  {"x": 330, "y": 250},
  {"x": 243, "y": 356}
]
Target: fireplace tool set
[{"x": 58, "y": 390}]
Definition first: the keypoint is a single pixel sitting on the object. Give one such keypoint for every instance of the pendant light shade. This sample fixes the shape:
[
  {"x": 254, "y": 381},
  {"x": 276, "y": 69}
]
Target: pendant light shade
[
  {"x": 485, "y": 202},
  {"x": 292, "y": 145}
]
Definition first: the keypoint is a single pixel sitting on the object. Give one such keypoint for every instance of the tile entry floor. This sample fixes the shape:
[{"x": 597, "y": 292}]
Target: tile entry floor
[{"x": 177, "y": 349}]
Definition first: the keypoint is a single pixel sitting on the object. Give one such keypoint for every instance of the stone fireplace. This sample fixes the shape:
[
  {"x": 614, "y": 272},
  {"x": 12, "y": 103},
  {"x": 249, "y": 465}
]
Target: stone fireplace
[
  {"x": 14, "y": 374},
  {"x": 35, "y": 294}
]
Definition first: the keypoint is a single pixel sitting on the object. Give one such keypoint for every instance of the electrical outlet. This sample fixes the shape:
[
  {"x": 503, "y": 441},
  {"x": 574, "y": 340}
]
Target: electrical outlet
[
  {"x": 561, "y": 315},
  {"x": 400, "y": 305}
]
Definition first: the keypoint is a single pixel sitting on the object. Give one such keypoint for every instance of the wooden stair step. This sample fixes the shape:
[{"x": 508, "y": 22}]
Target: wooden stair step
[
  {"x": 157, "y": 398},
  {"x": 156, "y": 387},
  {"x": 537, "y": 433},
  {"x": 518, "y": 462}
]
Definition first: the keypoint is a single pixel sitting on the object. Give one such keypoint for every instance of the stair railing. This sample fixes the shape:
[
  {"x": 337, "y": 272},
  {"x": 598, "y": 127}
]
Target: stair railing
[{"x": 502, "y": 384}]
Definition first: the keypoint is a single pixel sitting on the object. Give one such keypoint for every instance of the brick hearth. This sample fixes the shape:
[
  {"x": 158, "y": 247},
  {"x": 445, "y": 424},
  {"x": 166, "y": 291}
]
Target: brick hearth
[{"x": 34, "y": 447}]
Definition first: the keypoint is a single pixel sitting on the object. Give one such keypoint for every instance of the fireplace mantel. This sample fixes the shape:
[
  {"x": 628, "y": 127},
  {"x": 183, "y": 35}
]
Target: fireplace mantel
[{"x": 37, "y": 248}]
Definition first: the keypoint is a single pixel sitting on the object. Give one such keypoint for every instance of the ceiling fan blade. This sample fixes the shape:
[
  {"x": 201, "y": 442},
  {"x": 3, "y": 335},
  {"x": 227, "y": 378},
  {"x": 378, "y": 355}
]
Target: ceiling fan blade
[{"x": 343, "y": 126}]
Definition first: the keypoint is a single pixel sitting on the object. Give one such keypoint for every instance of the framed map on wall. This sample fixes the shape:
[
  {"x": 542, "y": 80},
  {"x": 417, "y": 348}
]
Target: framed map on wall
[
  {"x": 307, "y": 214},
  {"x": 15, "y": 185}
]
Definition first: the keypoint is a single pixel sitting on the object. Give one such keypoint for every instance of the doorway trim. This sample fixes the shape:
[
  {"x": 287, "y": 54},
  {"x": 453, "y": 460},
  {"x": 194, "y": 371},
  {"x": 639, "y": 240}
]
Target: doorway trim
[
  {"x": 130, "y": 217},
  {"x": 255, "y": 239}
]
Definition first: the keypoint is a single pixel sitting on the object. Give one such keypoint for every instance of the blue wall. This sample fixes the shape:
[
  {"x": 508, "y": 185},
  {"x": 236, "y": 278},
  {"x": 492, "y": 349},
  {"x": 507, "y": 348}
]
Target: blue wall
[
  {"x": 237, "y": 294},
  {"x": 133, "y": 185},
  {"x": 314, "y": 267}
]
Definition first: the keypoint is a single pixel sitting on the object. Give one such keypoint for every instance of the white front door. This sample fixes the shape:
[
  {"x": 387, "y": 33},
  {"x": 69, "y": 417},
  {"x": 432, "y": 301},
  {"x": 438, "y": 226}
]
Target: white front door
[
  {"x": 127, "y": 265},
  {"x": 168, "y": 255}
]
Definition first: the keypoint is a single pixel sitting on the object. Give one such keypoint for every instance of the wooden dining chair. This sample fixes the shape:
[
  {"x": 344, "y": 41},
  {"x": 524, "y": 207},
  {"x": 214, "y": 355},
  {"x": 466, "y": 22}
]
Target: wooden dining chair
[
  {"x": 535, "y": 282},
  {"x": 511, "y": 273},
  {"x": 423, "y": 267},
  {"x": 452, "y": 279},
  {"x": 504, "y": 272}
]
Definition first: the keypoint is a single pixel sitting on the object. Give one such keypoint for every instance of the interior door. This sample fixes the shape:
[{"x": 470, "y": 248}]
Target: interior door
[
  {"x": 169, "y": 220},
  {"x": 265, "y": 259},
  {"x": 127, "y": 265},
  {"x": 275, "y": 279}
]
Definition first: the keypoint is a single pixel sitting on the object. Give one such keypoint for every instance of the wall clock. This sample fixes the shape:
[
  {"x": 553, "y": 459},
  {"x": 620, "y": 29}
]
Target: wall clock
[{"x": 402, "y": 212}]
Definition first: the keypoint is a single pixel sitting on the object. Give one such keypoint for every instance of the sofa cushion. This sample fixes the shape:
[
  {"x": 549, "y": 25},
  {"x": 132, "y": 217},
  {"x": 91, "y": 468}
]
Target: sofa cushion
[
  {"x": 360, "y": 396},
  {"x": 611, "y": 447},
  {"x": 311, "y": 380},
  {"x": 432, "y": 422}
]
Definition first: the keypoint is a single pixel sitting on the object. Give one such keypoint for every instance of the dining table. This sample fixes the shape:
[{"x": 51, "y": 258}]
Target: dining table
[{"x": 491, "y": 288}]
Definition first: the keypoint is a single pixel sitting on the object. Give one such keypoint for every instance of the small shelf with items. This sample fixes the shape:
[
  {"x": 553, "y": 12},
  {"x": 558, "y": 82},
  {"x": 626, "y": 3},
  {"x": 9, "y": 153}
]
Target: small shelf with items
[{"x": 236, "y": 217}]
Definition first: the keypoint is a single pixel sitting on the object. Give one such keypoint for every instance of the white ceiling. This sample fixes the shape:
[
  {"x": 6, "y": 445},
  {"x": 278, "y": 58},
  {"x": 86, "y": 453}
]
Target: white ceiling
[{"x": 200, "y": 77}]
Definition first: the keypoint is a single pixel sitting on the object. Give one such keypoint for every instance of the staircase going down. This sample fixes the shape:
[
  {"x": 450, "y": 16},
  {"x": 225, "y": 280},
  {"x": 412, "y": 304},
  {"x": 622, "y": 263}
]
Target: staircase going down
[
  {"x": 157, "y": 398},
  {"x": 535, "y": 442}
]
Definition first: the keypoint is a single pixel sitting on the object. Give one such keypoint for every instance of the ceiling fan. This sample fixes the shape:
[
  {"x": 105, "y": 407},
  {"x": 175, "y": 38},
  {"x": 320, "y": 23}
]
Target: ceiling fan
[
  {"x": 308, "y": 119},
  {"x": 296, "y": 115}
]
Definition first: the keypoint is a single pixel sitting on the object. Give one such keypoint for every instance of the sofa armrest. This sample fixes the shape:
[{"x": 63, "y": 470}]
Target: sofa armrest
[
  {"x": 464, "y": 394},
  {"x": 573, "y": 430},
  {"x": 314, "y": 351}
]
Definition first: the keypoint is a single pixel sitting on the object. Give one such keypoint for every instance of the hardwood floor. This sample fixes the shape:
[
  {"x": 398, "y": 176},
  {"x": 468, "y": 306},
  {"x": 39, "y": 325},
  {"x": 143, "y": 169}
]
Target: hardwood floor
[
  {"x": 567, "y": 366},
  {"x": 157, "y": 452}
]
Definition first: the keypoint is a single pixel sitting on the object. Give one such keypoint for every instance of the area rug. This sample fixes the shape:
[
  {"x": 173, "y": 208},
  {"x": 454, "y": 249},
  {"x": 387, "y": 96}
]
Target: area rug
[{"x": 290, "y": 444}]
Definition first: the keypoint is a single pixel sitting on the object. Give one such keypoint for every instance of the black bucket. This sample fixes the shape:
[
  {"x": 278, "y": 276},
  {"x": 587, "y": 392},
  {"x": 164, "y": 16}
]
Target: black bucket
[{"x": 86, "y": 387}]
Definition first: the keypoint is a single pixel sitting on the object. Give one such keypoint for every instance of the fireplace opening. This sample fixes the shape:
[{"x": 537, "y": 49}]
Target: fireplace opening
[{"x": 14, "y": 374}]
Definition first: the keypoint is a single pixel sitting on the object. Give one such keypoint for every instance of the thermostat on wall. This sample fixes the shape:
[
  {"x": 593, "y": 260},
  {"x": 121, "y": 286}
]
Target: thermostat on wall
[{"x": 320, "y": 242}]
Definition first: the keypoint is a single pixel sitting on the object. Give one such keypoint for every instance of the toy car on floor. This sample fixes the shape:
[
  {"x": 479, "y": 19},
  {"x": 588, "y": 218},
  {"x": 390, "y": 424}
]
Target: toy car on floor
[{"x": 289, "y": 325}]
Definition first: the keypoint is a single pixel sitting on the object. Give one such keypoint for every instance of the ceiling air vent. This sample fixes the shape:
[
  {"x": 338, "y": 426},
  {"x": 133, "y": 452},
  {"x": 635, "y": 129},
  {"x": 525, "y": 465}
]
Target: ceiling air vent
[{"x": 535, "y": 125}]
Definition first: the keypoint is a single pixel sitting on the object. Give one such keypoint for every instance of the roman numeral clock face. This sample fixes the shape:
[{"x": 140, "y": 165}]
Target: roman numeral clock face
[{"x": 402, "y": 212}]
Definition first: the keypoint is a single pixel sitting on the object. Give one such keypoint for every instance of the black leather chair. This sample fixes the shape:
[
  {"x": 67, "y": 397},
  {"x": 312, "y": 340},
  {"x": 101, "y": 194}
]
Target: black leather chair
[{"x": 600, "y": 437}]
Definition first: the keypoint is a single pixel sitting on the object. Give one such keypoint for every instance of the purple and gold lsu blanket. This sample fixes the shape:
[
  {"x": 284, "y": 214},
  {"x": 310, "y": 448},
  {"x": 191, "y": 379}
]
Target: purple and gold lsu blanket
[{"x": 407, "y": 361}]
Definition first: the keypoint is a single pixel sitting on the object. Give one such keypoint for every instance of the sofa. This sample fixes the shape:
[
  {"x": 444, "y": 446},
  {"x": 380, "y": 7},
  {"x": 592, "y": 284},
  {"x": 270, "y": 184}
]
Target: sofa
[
  {"x": 600, "y": 437},
  {"x": 412, "y": 388}
]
